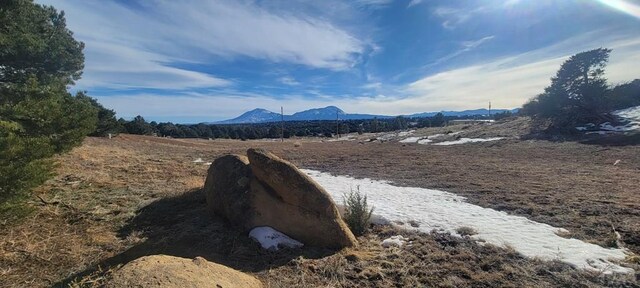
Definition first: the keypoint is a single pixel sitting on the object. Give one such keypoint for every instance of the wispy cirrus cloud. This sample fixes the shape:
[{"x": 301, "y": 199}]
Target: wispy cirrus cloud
[
  {"x": 465, "y": 46},
  {"x": 413, "y": 3},
  {"x": 452, "y": 17},
  {"x": 141, "y": 45},
  {"x": 510, "y": 81},
  {"x": 212, "y": 60},
  {"x": 373, "y": 3},
  {"x": 288, "y": 80},
  {"x": 507, "y": 82}
]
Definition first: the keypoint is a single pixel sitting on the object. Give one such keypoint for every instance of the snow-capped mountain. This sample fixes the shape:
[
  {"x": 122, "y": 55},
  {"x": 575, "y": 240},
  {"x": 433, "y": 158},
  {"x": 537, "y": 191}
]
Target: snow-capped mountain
[
  {"x": 254, "y": 116},
  {"x": 326, "y": 113},
  {"x": 264, "y": 116},
  {"x": 330, "y": 112}
]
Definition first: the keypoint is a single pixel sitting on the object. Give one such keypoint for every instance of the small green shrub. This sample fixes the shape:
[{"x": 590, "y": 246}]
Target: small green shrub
[
  {"x": 357, "y": 212},
  {"x": 466, "y": 231}
]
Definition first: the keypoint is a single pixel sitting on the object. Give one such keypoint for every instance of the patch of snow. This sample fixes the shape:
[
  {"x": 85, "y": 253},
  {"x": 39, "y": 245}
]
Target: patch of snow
[
  {"x": 208, "y": 163},
  {"x": 444, "y": 211},
  {"x": 435, "y": 136},
  {"x": 386, "y": 137},
  {"x": 405, "y": 133},
  {"x": 393, "y": 135},
  {"x": 199, "y": 160},
  {"x": 468, "y": 140},
  {"x": 410, "y": 140},
  {"x": 631, "y": 114},
  {"x": 581, "y": 128},
  {"x": 397, "y": 241},
  {"x": 621, "y": 128},
  {"x": 424, "y": 141},
  {"x": 344, "y": 138},
  {"x": 272, "y": 239}
]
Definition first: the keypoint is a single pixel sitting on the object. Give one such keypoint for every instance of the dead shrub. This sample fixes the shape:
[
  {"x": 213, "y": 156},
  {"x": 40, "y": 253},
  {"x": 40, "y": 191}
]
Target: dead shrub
[{"x": 466, "y": 231}]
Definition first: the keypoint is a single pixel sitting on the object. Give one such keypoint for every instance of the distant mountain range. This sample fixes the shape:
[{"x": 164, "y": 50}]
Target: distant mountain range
[{"x": 329, "y": 113}]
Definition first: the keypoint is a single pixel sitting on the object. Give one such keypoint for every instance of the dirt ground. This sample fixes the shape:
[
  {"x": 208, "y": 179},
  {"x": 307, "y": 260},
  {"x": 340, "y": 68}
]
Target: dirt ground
[{"x": 118, "y": 199}]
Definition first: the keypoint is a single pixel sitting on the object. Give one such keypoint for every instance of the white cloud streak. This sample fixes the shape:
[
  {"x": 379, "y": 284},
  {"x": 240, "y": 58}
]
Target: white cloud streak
[
  {"x": 130, "y": 47},
  {"x": 413, "y": 3},
  {"x": 511, "y": 81},
  {"x": 455, "y": 16},
  {"x": 467, "y": 46},
  {"x": 288, "y": 80},
  {"x": 506, "y": 82}
]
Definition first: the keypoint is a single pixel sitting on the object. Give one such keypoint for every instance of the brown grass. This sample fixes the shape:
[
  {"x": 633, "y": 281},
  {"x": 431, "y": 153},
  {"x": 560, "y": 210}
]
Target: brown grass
[{"x": 115, "y": 200}]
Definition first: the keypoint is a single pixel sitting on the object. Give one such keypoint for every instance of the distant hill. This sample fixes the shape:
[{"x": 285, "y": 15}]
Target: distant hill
[
  {"x": 254, "y": 116},
  {"x": 482, "y": 111},
  {"x": 326, "y": 113},
  {"x": 329, "y": 113}
]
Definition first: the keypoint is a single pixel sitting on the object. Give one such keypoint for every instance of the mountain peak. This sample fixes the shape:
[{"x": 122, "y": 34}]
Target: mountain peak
[
  {"x": 257, "y": 115},
  {"x": 260, "y": 115},
  {"x": 258, "y": 110}
]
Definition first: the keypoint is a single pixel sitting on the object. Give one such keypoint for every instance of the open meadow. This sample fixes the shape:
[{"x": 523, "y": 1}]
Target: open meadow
[{"x": 117, "y": 199}]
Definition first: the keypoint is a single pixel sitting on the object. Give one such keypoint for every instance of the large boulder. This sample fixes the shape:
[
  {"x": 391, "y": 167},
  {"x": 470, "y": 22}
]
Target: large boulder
[
  {"x": 170, "y": 271},
  {"x": 290, "y": 201},
  {"x": 264, "y": 190},
  {"x": 227, "y": 189}
]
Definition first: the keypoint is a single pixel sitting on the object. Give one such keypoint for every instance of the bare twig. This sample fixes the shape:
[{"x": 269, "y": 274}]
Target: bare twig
[{"x": 59, "y": 203}]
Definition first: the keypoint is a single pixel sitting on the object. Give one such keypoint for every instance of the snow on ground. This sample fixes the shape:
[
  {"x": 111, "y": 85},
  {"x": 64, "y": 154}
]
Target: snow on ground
[
  {"x": 272, "y": 239},
  {"x": 631, "y": 126},
  {"x": 444, "y": 211},
  {"x": 397, "y": 241},
  {"x": 426, "y": 140},
  {"x": 630, "y": 114},
  {"x": 468, "y": 140},
  {"x": 405, "y": 133},
  {"x": 411, "y": 140},
  {"x": 347, "y": 137},
  {"x": 435, "y": 136},
  {"x": 390, "y": 136}
]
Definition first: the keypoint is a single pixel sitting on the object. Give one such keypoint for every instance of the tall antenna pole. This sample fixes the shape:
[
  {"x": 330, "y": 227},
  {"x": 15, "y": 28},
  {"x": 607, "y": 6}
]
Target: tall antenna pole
[
  {"x": 337, "y": 124},
  {"x": 489, "y": 109},
  {"x": 281, "y": 124}
]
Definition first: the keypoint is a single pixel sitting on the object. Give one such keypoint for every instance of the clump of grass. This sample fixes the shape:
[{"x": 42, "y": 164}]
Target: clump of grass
[
  {"x": 466, "y": 231},
  {"x": 357, "y": 213}
]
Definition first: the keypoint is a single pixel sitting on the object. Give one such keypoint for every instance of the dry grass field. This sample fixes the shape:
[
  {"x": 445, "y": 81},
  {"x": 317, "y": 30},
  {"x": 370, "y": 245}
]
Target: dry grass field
[{"x": 118, "y": 199}]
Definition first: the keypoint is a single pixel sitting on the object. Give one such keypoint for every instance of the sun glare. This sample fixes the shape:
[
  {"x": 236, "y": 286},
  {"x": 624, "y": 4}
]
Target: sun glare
[{"x": 624, "y": 6}]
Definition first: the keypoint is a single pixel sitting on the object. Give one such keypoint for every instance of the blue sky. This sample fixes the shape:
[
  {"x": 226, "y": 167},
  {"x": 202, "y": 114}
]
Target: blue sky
[{"x": 193, "y": 61}]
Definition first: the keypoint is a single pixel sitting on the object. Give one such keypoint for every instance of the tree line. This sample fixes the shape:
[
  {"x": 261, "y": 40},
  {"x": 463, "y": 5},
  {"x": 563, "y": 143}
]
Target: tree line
[{"x": 288, "y": 129}]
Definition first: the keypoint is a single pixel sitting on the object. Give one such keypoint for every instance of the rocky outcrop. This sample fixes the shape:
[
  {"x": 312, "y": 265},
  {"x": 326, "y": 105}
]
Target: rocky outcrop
[
  {"x": 291, "y": 202},
  {"x": 170, "y": 271},
  {"x": 265, "y": 190},
  {"x": 227, "y": 189}
]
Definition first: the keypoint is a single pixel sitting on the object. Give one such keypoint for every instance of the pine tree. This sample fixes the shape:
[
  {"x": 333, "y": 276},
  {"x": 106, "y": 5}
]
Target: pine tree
[
  {"x": 38, "y": 116},
  {"x": 577, "y": 93}
]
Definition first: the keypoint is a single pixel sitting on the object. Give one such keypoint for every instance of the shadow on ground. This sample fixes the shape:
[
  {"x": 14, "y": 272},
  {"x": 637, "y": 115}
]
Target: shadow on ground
[
  {"x": 181, "y": 226},
  {"x": 608, "y": 140},
  {"x": 614, "y": 140}
]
